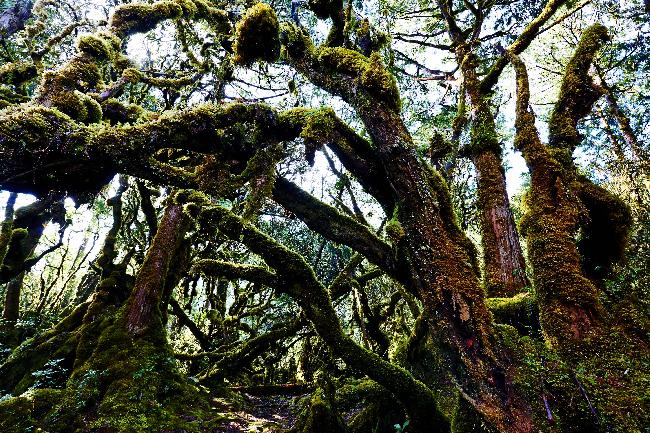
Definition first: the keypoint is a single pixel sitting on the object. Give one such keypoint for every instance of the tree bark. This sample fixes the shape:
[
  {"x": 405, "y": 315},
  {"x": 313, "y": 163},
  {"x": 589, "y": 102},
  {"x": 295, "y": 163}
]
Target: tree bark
[
  {"x": 143, "y": 305},
  {"x": 11, "y": 311},
  {"x": 504, "y": 267}
]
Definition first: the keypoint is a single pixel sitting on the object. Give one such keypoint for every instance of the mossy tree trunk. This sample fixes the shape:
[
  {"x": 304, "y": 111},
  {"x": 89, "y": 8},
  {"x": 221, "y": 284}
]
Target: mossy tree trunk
[
  {"x": 143, "y": 306},
  {"x": 504, "y": 268},
  {"x": 441, "y": 266},
  {"x": 590, "y": 341}
]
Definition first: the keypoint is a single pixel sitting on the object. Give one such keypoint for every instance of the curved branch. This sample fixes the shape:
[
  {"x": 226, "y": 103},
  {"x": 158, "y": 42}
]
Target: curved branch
[
  {"x": 335, "y": 226},
  {"x": 520, "y": 44},
  {"x": 253, "y": 273}
]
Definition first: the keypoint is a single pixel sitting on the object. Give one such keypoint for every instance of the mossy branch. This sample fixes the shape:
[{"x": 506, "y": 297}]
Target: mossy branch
[
  {"x": 137, "y": 17},
  {"x": 577, "y": 92},
  {"x": 332, "y": 224},
  {"x": 183, "y": 318},
  {"x": 17, "y": 73},
  {"x": 220, "y": 268},
  {"x": 522, "y": 42},
  {"x": 361, "y": 81}
]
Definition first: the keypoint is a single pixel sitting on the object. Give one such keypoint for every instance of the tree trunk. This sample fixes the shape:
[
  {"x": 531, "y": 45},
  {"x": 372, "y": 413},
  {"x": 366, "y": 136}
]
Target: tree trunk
[
  {"x": 11, "y": 310},
  {"x": 439, "y": 255},
  {"x": 143, "y": 306},
  {"x": 504, "y": 267}
]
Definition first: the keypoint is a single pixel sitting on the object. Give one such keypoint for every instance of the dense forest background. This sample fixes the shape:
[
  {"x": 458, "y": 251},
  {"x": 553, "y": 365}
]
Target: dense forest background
[{"x": 325, "y": 216}]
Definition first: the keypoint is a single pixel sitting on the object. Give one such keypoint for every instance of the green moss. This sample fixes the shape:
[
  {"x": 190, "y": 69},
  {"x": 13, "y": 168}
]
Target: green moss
[
  {"x": 394, "y": 229},
  {"x": 34, "y": 124},
  {"x": 577, "y": 94},
  {"x": 9, "y": 97},
  {"x": 467, "y": 420},
  {"x": 116, "y": 112},
  {"x": 296, "y": 43},
  {"x": 16, "y": 415},
  {"x": 17, "y": 73},
  {"x": 519, "y": 311},
  {"x": 65, "y": 89},
  {"x": 257, "y": 36},
  {"x": 135, "y": 18},
  {"x": 19, "y": 234},
  {"x": 5, "y": 238},
  {"x": 484, "y": 132},
  {"x": 77, "y": 105},
  {"x": 317, "y": 129},
  {"x": 261, "y": 172},
  {"x": 373, "y": 408},
  {"x": 368, "y": 71},
  {"x": 131, "y": 75},
  {"x": 319, "y": 415},
  {"x": 102, "y": 46},
  {"x": 128, "y": 386}
]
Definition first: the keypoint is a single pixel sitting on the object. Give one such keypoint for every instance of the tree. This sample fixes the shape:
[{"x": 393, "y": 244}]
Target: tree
[{"x": 470, "y": 361}]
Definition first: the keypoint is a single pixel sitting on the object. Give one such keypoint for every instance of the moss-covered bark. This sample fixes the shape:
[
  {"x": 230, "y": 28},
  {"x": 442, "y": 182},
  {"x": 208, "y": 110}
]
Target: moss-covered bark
[
  {"x": 122, "y": 374},
  {"x": 143, "y": 305},
  {"x": 503, "y": 260},
  {"x": 560, "y": 202},
  {"x": 591, "y": 345}
]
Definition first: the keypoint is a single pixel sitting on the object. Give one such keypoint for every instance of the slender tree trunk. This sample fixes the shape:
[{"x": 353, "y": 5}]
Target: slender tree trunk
[
  {"x": 504, "y": 267},
  {"x": 11, "y": 310},
  {"x": 143, "y": 306}
]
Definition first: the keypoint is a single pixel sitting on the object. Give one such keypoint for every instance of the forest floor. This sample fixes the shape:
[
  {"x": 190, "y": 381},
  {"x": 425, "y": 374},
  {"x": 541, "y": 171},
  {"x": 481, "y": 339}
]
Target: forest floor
[{"x": 259, "y": 413}]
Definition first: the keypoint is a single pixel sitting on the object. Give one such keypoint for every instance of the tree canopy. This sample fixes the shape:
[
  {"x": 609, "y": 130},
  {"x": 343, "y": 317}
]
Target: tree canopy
[{"x": 388, "y": 216}]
